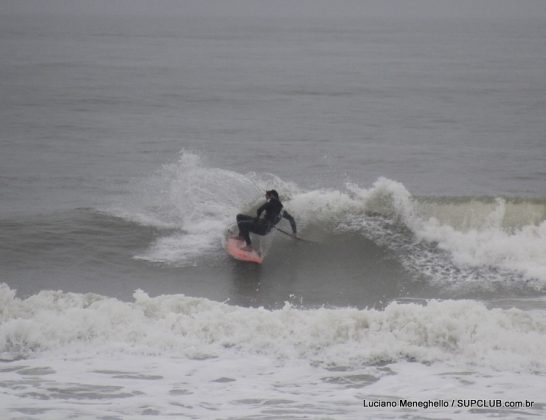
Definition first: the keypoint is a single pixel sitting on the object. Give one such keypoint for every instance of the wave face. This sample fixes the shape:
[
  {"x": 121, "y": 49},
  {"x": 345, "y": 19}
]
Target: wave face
[{"x": 483, "y": 241}]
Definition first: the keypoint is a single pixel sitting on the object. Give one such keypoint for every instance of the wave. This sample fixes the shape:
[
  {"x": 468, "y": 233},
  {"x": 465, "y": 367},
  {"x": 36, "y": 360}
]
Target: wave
[
  {"x": 447, "y": 239},
  {"x": 463, "y": 331},
  {"x": 457, "y": 239}
]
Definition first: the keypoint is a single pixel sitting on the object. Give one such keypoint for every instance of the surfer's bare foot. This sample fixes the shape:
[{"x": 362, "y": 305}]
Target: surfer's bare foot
[{"x": 247, "y": 248}]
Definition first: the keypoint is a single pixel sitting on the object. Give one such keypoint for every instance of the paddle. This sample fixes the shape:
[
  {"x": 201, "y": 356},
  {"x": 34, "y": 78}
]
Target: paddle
[{"x": 292, "y": 235}]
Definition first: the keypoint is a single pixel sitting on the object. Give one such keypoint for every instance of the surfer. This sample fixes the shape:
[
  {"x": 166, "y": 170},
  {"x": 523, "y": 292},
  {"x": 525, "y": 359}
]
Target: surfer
[{"x": 273, "y": 212}]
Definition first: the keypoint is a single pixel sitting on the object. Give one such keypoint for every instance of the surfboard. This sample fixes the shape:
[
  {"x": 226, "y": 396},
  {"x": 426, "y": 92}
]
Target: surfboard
[{"x": 234, "y": 248}]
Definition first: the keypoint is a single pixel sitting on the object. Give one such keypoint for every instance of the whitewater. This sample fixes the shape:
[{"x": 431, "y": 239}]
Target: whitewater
[
  {"x": 406, "y": 140},
  {"x": 450, "y": 291},
  {"x": 195, "y": 358}
]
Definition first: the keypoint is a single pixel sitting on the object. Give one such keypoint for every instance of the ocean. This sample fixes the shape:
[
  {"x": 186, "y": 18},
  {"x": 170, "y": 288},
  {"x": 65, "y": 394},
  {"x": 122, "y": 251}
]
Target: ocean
[{"x": 409, "y": 147}]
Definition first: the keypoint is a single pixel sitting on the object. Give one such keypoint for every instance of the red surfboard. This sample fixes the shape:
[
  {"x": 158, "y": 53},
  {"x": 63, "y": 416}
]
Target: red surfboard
[{"x": 234, "y": 247}]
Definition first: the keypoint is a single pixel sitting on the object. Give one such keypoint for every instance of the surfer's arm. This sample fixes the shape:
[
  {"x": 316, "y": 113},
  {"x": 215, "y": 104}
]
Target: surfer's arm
[{"x": 288, "y": 217}]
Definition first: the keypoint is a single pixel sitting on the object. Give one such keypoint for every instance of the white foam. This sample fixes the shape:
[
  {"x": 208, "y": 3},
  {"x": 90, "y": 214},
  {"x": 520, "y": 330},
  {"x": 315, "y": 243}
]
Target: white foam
[
  {"x": 87, "y": 355},
  {"x": 491, "y": 244},
  {"x": 523, "y": 250},
  {"x": 193, "y": 327}
]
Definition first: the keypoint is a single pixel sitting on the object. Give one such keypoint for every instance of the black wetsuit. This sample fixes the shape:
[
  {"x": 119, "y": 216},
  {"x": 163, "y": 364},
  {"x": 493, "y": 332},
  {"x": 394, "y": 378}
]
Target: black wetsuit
[{"x": 262, "y": 226}]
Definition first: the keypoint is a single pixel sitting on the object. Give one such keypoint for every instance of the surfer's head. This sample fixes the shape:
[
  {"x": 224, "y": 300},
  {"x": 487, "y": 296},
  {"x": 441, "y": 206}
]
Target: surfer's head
[{"x": 272, "y": 193}]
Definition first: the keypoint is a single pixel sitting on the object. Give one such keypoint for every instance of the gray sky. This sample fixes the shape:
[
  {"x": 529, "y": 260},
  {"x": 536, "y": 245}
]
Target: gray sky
[{"x": 284, "y": 8}]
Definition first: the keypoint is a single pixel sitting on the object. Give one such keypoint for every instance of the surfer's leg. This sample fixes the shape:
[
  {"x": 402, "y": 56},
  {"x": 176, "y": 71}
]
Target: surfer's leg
[
  {"x": 244, "y": 231},
  {"x": 244, "y": 218},
  {"x": 259, "y": 229},
  {"x": 252, "y": 226},
  {"x": 245, "y": 224}
]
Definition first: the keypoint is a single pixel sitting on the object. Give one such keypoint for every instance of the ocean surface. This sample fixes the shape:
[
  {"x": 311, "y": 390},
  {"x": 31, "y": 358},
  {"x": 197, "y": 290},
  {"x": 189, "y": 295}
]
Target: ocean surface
[{"x": 410, "y": 150}]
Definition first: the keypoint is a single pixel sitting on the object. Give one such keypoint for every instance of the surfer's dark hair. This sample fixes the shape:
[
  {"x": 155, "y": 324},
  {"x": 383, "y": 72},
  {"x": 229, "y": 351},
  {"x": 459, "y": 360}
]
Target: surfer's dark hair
[{"x": 273, "y": 193}]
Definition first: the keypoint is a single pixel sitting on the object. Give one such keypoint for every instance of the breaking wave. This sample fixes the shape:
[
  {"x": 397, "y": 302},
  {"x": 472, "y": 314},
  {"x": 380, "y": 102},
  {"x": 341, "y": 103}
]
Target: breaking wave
[
  {"x": 463, "y": 331},
  {"x": 447, "y": 239}
]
